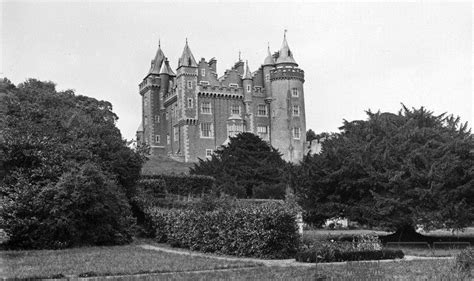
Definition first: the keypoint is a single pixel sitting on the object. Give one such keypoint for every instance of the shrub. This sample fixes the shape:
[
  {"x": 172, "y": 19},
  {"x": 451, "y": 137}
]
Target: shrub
[
  {"x": 266, "y": 230},
  {"x": 184, "y": 185},
  {"x": 322, "y": 255},
  {"x": 83, "y": 208},
  {"x": 465, "y": 260}
]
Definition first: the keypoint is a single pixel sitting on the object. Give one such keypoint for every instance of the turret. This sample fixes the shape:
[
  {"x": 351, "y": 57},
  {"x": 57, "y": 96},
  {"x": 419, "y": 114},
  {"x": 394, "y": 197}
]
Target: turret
[
  {"x": 268, "y": 65},
  {"x": 288, "y": 125},
  {"x": 247, "y": 83},
  {"x": 165, "y": 74}
]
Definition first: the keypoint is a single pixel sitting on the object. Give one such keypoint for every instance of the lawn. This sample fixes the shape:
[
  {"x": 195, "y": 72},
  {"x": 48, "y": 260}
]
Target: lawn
[
  {"x": 165, "y": 165},
  {"x": 130, "y": 259},
  {"x": 93, "y": 261}
]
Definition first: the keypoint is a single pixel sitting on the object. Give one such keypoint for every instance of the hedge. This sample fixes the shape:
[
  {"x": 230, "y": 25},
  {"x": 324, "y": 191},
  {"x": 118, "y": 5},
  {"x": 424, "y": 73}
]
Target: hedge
[
  {"x": 338, "y": 256},
  {"x": 266, "y": 230},
  {"x": 183, "y": 185}
]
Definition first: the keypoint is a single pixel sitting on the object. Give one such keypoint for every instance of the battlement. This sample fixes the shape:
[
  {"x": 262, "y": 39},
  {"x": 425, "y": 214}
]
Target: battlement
[
  {"x": 150, "y": 81},
  {"x": 286, "y": 73}
]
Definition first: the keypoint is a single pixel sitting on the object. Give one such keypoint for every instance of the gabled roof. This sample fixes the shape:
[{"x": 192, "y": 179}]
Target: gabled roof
[
  {"x": 166, "y": 69},
  {"x": 157, "y": 61},
  {"x": 187, "y": 58},
  {"x": 285, "y": 54}
]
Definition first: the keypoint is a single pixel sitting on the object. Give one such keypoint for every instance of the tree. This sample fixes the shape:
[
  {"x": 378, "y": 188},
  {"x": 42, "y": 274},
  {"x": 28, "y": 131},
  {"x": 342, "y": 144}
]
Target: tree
[
  {"x": 247, "y": 167},
  {"x": 48, "y": 134},
  {"x": 393, "y": 170}
]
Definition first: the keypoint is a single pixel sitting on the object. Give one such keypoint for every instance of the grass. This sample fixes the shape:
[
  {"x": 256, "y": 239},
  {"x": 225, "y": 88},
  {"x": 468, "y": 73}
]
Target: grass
[
  {"x": 101, "y": 261},
  {"x": 401, "y": 270}
]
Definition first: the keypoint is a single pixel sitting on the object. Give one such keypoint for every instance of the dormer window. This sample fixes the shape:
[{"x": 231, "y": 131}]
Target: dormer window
[{"x": 189, "y": 61}]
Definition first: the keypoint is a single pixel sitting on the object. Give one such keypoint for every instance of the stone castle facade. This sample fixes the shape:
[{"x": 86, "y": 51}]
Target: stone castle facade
[{"x": 189, "y": 113}]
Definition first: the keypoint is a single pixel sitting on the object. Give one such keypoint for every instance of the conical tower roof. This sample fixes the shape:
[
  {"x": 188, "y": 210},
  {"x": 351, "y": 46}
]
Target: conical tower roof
[
  {"x": 166, "y": 69},
  {"x": 269, "y": 59},
  {"x": 247, "y": 74},
  {"x": 157, "y": 61},
  {"x": 187, "y": 58},
  {"x": 285, "y": 54}
]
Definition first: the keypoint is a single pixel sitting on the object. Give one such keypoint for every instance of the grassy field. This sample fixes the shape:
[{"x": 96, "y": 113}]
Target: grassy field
[{"x": 100, "y": 261}]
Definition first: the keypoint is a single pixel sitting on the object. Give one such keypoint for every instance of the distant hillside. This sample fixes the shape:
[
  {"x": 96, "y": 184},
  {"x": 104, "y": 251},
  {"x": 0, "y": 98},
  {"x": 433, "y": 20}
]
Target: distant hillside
[{"x": 165, "y": 165}]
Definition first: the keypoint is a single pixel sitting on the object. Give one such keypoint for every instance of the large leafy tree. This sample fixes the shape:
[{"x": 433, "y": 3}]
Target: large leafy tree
[
  {"x": 48, "y": 137},
  {"x": 393, "y": 170},
  {"x": 246, "y": 167}
]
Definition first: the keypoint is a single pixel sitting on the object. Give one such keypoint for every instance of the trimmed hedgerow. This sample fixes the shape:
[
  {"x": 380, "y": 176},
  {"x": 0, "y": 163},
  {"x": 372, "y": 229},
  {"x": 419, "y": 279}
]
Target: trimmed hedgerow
[
  {"x": 351, "y": 255},
  {"x": 266, "y": 230},
  {"x": 184, "y": 185}
]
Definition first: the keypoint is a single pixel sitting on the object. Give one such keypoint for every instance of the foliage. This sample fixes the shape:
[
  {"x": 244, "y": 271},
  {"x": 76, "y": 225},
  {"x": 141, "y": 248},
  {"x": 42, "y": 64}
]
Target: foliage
[
  {"x": 465, "y": 260},
  {"x": 310, "y": 135},
  {"x": 84, "y": 207},
  {"x": 246, "y": 167},
  {"x": 184, "y": 185},
  {"x": 266, "y": 230},
  {"x": 393, "y": 171},
  {"x": 324, "y": 255},
  {"x": 50, "y": 135}
]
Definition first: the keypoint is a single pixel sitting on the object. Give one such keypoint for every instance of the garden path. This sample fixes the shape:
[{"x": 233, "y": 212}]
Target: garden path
[{"x": 280, "y": 263}]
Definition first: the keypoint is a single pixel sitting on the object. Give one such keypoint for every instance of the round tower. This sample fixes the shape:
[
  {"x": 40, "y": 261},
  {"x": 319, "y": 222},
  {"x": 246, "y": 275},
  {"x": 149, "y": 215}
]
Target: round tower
[{"x": 288, "y": 123}]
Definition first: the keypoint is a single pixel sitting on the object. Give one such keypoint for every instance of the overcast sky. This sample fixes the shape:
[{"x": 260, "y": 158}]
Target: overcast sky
[{"x": 356, "y": 56}]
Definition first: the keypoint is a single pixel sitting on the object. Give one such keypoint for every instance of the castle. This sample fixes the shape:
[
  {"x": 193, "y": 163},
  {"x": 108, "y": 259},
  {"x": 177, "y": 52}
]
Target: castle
[{"x": 188, "y": 114}]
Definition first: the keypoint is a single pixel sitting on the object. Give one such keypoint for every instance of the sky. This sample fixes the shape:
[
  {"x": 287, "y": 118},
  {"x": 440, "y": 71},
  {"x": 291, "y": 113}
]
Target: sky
[{"x": 356, "y": 56}]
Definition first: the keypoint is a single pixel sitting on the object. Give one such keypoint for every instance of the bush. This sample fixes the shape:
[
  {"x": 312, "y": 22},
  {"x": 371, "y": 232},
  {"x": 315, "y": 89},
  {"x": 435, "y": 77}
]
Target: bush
[
  {"x": 465, "y": 260},
  {"x": 265, "y": 230},
  {"x": 184, "y": 185},
  {"x": 323, "y": 255},
  {"x": 83, "y": 208}
]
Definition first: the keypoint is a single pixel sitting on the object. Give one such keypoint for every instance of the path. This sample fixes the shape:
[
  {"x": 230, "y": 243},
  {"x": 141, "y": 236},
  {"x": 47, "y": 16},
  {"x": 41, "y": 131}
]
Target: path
[{"x": 281, "y": 263}]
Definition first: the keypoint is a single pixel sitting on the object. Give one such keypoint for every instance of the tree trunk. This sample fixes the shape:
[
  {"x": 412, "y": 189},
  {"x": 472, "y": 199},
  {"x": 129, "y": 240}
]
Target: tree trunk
[{"x": 407, "y": 233}]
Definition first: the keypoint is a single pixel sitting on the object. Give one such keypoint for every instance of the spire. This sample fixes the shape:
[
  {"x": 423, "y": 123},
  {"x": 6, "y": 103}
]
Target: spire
[
  {"x": 157, "y": 61},
  {"x": 269, "y": 59},
  {"x": 247, "y": 73},
  {"x": 285, "y": 55},
  {"x": 187, "y": 58},
  {"x": 166, "y": 69}
]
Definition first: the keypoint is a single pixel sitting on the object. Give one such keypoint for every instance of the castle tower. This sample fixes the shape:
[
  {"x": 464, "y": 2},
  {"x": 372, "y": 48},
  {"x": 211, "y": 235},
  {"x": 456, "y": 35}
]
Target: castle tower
[
  {"x": 287, "y": 114},
  {"x": 151, "y": 104},
  {"x": 186, "y": 80}
]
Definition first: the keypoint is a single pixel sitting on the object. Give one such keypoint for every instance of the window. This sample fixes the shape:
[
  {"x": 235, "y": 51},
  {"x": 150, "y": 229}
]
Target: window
[
  {"x": 204, "y": 83},
  {"x": 296, "y": 110},
  {"x": 146, "y": 121},
  {"x": 206, "y": 130},
  {"x": 157, "y": 118},
  {"x": 145, "y": 101},
  {"x": 235, "y": 109},
  {"x": 267, "y": 77},
  {"x": 157, "y": 138},
  {"x": 233, "y": 85},
  {"x": 262, "y": 110},
  {"x": 190, "y": 103},
  {"x": 296, "y": 133},
  {"x": 168, "y": 139},
  {"x": 208, "y": 152},
  {"x": 294, "y": 92},
  {"x": 190, "y": 84},
  {"x": 234, "y": 129},
  {"x": 176, "y": 133},
  {"x": 248, "y": 88},
  {"x": 203, "y": 72},
  {"x": 206, "y": 107},
  {"x": 166, "y": 115},
  {"x": 262, "y": 131}
]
